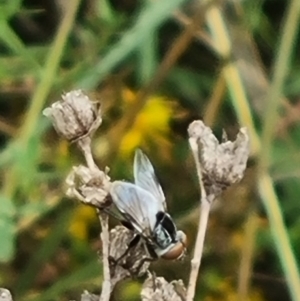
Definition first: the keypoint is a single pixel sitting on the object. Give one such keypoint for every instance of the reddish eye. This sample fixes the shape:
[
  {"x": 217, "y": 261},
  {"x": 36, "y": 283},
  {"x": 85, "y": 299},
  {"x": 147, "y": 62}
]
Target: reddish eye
[{"x": 177, "y": 250}]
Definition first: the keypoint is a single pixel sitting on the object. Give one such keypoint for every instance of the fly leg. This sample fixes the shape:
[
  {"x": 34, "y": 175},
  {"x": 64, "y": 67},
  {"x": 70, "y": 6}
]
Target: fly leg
[
  {"x": 134, "y": 241},
  {"x": 151, "y": 257},
  {"x": 137, "y": 270}
]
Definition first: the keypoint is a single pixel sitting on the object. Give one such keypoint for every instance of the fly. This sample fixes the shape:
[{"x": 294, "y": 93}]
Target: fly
[{"x": 143, "y": 206}]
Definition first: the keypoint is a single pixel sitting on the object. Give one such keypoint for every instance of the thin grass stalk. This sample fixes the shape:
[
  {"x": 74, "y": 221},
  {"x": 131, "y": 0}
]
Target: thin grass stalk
[
  {"x": 265, "y": 184},
  {"x": 48, "y": 76},
  {"x": 247, "y": 254},
  {"x": 266, "y": 188},
  {"x": 238, "y": 94},
  {"x": 42, "y": 90},
  {"x": 11, "y": 179},
  {"x": 214, "y": 103},
  {"x": 278, "y": 229},
  {"x": 281, "y": 68}
]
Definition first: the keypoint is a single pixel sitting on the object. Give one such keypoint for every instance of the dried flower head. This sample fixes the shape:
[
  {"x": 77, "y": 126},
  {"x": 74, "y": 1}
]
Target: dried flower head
[
  {"x": 222, "y": 164},
  {"x": 88, "y": 186},
  {"x": 74, "y": 116},
  {"x": 86, "y": 296},
  {"x": 135, "y": 263},
  {"x": 158, "y": 289},
  {"x": 5, "y": 295}
]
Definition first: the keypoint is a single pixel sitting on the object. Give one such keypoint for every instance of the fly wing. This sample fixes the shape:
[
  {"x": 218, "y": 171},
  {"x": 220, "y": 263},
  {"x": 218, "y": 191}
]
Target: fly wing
[
  {"x": 144, "y": 176},
  {"x": 136, "y": 204}
]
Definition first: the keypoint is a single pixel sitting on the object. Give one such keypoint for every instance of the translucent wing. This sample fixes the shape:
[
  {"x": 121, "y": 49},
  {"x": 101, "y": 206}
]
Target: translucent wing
[
  {"x": 144, "y": 176},
  {"x": 137, "y": 205}
]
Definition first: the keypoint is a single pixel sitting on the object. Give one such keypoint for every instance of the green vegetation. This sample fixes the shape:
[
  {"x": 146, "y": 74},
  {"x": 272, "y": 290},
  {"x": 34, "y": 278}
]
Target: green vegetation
[{"x": 155, "y": 66}]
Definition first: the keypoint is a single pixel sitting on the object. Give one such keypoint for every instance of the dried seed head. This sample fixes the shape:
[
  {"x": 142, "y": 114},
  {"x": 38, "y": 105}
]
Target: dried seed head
[
  {"x": 74, "y": 116},
  {"x": 5, "y": 295},
  {"x": 134, "y": 263},
  {"x": 86, "y": 296},
  {"x": 222, "y": 164},
  {"x": 88, "y": 186},
  {"x": 158, "y": 289}
]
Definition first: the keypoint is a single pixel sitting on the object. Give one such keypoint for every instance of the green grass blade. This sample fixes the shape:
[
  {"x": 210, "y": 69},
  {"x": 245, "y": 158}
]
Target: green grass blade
[{"x": 149, "y": 20}]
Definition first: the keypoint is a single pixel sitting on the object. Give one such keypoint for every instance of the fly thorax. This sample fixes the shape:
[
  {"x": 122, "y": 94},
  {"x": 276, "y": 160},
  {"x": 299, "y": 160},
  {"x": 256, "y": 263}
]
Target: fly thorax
[{"x": 162, "y": 236}]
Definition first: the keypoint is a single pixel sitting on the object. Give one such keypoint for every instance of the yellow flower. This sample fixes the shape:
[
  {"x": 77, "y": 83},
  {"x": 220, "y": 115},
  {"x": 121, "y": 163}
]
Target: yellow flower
[{"x": 151, "y": 124}]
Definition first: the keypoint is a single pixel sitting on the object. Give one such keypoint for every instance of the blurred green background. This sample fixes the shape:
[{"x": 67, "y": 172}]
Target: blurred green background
[{"x": 155, "y": 66}]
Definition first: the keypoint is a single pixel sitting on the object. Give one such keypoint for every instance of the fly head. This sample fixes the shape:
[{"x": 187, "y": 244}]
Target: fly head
[{"x": 171, "y": 243}]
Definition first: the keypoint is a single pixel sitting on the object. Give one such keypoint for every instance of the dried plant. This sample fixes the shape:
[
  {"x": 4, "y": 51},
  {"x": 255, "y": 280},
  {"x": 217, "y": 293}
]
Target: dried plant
[
  {"x": 135, "y": 263},
  {"x": 86, "y": 296},
  {"x": 218, "y": 165},
  {"x": 76, "y": 118},
  {"x": 5, "y": 295},
  {"x": 158, "y": 289}
]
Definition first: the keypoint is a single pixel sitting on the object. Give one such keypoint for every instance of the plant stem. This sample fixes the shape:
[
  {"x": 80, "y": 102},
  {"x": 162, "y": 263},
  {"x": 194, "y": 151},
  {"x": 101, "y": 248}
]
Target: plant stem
[
  {"x": 85, "y": 146},
  {"x": 106, "y": 284},
  {"x": 196, "y": 261},
  {"x": 202, "y": 226}
]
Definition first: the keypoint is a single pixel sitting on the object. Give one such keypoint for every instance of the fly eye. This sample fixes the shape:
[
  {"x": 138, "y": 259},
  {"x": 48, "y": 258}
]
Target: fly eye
[
  {"x": 176, "y": 252},
  {"x": 182, "y": 238}
]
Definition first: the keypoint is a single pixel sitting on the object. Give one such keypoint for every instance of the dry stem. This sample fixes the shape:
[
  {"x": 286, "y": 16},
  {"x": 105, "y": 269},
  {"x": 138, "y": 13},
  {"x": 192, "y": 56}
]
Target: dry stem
[
  {"x": 196, "y": 261},
  {"x": 106, "y": 284},
  {"x": 205, "y": 208},
  {"x": 85, "y": 147}
]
